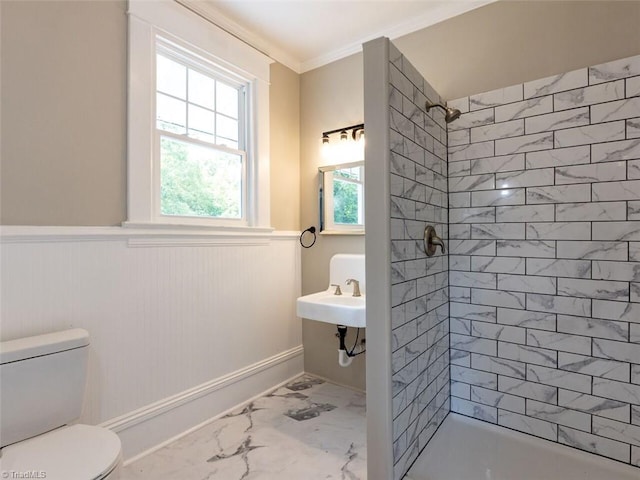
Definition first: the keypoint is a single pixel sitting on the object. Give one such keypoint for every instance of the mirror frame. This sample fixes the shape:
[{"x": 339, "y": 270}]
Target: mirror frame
[{"x": 326, "y": 208}]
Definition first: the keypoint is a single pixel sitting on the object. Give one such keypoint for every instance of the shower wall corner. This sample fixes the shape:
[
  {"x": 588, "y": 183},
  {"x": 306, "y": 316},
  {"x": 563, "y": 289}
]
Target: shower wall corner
[
  {"x": 408, "y": 367},
  {"x": 378, "y": 263}
]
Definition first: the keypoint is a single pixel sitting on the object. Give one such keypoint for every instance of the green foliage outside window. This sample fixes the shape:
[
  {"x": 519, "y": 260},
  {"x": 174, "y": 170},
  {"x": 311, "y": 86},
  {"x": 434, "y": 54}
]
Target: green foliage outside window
[
  {"x": 345, "y": 202},
  {"x": 198, "y": 181}
]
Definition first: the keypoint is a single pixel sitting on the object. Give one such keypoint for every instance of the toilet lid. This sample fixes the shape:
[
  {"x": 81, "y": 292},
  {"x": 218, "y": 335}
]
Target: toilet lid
[{"x": 77, "y": 452}]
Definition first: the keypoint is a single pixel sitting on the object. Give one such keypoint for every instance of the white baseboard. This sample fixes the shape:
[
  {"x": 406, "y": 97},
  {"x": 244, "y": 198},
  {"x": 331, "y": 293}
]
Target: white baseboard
[
  {"x": 153, "y": 426},
  {"x": 206, "y": 422}
]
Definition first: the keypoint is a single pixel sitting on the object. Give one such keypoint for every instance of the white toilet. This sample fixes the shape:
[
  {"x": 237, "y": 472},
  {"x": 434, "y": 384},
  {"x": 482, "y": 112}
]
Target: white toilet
[{"x": 42, "y": 381}]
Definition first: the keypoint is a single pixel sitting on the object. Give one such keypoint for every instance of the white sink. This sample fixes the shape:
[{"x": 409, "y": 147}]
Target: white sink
[
  {"x": 325, "y": 306},
  {"x": 343, "y": 309}
]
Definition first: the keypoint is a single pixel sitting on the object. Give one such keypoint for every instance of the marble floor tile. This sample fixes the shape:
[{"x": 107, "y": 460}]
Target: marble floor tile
[{"x": 308, "y": 429}]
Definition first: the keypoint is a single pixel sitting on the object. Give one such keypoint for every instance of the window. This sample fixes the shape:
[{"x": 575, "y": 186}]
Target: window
[
  {"x": 200, "y": 125},
  {"x": 198, "y": 122}
]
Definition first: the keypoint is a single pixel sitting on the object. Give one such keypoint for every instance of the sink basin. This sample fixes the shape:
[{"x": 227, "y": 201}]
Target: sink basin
[
  {"x": 343, "y": 309},
  {"x": 324, "y": 306}
]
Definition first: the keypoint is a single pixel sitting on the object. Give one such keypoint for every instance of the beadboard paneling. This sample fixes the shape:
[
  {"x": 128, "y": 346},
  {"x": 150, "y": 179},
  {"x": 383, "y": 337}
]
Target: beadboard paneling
[{"x": 163, "y": 317}]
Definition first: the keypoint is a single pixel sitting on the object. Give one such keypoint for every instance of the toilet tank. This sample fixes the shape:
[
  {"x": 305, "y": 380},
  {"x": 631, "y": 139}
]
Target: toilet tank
[{"x": 42, "y": 381}]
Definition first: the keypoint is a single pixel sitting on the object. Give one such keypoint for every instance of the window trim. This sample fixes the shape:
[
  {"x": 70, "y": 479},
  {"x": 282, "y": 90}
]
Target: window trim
[{"x": 178, "y": 25}]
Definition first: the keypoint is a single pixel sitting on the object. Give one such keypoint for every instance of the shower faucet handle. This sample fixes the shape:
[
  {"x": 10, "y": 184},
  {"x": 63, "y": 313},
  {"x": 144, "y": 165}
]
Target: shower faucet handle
[{"x": 432, "y": 241}]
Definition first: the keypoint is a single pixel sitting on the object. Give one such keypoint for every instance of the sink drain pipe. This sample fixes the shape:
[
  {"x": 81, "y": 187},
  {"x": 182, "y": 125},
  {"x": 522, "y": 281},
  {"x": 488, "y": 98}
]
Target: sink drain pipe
[
  {"x": 345, "y": 357},
  {"x": 344, "y": 360}
]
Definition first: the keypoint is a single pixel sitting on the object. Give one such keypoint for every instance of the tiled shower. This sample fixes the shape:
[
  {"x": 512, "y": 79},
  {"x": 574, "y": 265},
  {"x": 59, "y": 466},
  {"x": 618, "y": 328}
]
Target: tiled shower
[
  {"x": 544, "y": 262},
  {"x": 544, "y": 265}
]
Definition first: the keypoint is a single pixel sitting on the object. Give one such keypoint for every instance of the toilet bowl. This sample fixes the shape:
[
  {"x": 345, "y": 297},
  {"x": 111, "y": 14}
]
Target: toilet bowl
[
  {"x": 77, "y": 452},
  {"x": 42, "y": 380}
]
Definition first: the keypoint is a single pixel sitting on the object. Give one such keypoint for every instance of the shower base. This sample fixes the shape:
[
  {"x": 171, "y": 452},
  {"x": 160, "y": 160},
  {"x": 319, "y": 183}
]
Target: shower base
[{"x": 467, "y": 449}]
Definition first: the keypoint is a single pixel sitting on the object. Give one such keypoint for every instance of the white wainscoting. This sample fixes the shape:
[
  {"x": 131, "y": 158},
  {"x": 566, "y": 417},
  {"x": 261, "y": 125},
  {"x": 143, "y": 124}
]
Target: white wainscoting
[{"x": 183, "y": 327}]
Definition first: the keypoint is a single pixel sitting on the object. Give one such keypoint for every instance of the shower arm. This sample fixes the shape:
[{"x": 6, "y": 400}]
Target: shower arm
[
  {"x": 429, "y": 106},
  {"x": 450, "y": 114}
]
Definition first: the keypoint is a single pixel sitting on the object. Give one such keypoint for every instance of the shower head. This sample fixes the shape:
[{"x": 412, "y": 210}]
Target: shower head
[{"x": 451, "y": 114}]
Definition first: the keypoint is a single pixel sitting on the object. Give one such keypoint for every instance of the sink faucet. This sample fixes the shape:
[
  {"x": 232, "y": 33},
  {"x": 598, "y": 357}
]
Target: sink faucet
[
  {"x": 356, "y": 287},
  {"x": 337, "y": 291}
]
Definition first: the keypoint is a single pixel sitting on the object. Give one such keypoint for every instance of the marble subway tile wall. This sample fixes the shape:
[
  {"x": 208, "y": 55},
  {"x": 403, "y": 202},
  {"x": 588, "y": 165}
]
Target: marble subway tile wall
[
  {"x": 420, "y": 310},
  {"x": 544, "y": 197}
]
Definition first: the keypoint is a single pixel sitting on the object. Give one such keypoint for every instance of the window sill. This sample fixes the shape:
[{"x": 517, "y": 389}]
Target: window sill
[{"x": 190, "y": 228}]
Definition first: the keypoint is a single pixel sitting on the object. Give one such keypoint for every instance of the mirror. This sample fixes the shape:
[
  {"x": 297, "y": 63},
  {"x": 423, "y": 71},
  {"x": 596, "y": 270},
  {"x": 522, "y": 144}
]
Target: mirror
[{"x": 342, "y": 199}]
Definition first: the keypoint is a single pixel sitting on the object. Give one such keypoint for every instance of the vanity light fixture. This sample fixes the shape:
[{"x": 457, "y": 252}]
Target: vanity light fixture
[
  {"x": 344, "y": 150},
  {"x": 357, "y": 131},
  {"x": 358, "y": 134}
]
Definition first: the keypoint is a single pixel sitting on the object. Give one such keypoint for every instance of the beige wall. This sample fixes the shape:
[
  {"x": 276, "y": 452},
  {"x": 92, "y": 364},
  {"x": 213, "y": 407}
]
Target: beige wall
[
  {"x": 511, "y": 42},
  {"x": 63, "y": 107},
  {"x": 63, "y": 113},
  {"x": 330, "y": 97},
  {"x": 285, "y": 148}
]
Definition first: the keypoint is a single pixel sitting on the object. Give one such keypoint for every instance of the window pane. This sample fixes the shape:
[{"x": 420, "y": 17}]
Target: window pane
[
  {"x": 346, "y": 199},
  {"x": 199, "y": 181},
  {"x": 227, "y": 98},
  {"x": 171, "y": 77},
  {"x": 226, "y": 127},
  {"x": 202, "y": 90},
  {"x": 171, "y": 114},
  {"x": 201, "y": 123}
]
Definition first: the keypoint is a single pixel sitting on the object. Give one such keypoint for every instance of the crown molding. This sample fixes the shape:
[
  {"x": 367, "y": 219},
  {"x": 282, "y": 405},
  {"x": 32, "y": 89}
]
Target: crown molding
[
  {"x": 436, "y": 15},
  {"x": 439, "y": 12},
  {"x": 213, "y": 15}
]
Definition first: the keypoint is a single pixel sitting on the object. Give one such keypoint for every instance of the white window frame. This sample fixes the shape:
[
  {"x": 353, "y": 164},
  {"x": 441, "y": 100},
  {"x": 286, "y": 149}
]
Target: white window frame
[
  {"x": 181, "y": 54},
  {"x": 175, "y": 23}
]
